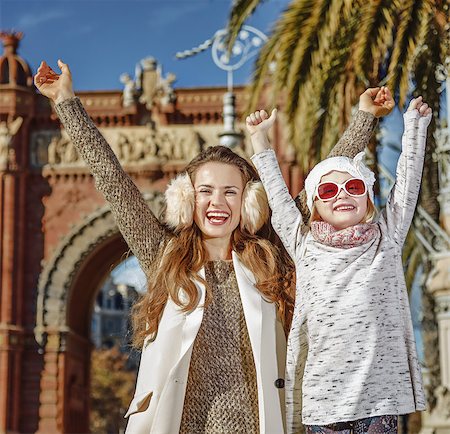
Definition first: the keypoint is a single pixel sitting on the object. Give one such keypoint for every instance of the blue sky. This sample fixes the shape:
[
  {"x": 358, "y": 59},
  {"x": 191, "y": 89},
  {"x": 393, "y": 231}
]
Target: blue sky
[{"x": 101, "y": 39}]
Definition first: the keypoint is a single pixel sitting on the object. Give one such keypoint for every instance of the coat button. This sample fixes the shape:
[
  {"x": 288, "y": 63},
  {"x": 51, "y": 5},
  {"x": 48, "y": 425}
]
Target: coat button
[{"x": 279, "y": 383}]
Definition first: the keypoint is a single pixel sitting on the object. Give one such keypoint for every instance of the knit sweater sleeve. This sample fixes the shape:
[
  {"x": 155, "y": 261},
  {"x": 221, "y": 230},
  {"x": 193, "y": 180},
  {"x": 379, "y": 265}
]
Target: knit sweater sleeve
[
  {"x": 402, "y": 199},
  {"x": 286, "y": 218},
  {"x": 141, "y": 230},
  {"x": 354, "y": 140}
]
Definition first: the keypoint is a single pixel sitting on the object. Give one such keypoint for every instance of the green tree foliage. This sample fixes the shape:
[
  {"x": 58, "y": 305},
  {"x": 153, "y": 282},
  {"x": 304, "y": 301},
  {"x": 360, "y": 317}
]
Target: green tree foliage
[
  {"x": 322, "y": 53},
  {"x": 112, "y": 386}
]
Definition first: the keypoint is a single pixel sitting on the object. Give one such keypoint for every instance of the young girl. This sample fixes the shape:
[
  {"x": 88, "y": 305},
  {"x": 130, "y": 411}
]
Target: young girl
[{"x": 351, "y": 361}]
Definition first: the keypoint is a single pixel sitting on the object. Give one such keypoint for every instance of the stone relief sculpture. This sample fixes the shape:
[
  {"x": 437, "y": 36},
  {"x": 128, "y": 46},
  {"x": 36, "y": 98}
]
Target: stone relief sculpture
[
  {"x": 61, "y": 151},
  {"x": 148, "y": 86},
  {"x": 443, "y": 157},
  {"x": 138, "y": 145},
  {"x": 165, "y": 92},
  {"x": 7, "y": 131},
  {"x": 147, "y": 77},
  {"x": 130, "y": 91},
  {"x": 40, "y": 150},
  {"x": 442, "y": 394},
  {"x": 180, "y": 146},
  {"x": 124, "y": 149},
  {"x": 153, "y": 87},
  {"x": 52, "y": 151}
]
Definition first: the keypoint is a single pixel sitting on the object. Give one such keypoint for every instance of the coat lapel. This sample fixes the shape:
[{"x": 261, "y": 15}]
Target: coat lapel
[
  {"x": 193, "y": 319},
  {"x": 264, "y": 341},
  {"x": 251, "y": 303}
]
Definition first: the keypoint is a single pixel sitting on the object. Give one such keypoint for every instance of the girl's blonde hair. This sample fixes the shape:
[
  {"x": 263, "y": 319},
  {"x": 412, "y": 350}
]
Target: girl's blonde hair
[
  {"x": 185, "y": 254},
  {"x": 369, "y": 216}
]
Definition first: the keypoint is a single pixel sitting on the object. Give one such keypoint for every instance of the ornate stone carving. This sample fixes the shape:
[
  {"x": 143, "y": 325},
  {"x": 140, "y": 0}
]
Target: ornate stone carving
[
  {"x": 435, "y": 240},
  {"x": 443, "y": 160},
  {"x": 53, "y": 148},
  {"x": 132, "y": 145},
  {"x": 443, "y": 306},
  {"x": 442, "y": 394},
  {"x": 62, "y": 151},
  {"x": 130, "y": 91},
  {"x": 7, "y": 131},
  {"x": 154, "y": 87}
]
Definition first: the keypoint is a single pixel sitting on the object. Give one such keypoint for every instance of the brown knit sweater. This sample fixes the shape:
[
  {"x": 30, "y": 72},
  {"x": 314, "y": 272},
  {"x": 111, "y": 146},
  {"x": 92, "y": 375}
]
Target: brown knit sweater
[{"x": 222, "y": 391}]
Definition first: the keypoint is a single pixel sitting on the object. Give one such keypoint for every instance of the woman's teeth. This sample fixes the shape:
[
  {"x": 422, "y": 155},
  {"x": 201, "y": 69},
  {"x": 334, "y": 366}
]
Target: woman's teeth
[{"x": 217, "y": 217}]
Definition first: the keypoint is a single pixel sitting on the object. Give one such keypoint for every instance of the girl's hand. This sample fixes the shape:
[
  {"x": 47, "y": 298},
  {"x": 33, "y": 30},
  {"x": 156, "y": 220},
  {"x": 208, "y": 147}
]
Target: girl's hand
[
  {"x": 377, "y": 100},
  {"x": 260, "y": 122},
  {"x": 419, "y": 105},
  {"x": 53, "y": 86}
]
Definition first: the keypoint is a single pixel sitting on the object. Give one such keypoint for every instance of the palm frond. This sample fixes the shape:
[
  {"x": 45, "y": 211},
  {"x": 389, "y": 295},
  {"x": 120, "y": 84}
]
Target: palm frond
[
  {"x": 261, "y": 73},
  {"x": 301, "y": 61},
  {"x": 426, "y": 84},
  {"x": 328, "y": 69},
  {"x": 240, "y": 11},
  {"x": 274, "y": 58},
  {"x": 405, "y": 43},
  {"x": 373, "y": 36}
]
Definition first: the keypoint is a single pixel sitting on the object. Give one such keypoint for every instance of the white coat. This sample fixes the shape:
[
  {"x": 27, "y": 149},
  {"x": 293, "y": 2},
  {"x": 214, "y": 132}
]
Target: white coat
[{"x": 163, "y": 372}]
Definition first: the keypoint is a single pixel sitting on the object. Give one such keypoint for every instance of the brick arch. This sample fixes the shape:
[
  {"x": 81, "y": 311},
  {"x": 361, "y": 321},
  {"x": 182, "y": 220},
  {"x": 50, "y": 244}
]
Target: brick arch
[
  {"x": 66, "y": 292},
  {"x": 89, "y": 249}
]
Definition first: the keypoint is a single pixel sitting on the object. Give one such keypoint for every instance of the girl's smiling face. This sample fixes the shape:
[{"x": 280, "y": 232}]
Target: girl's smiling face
[
  {"x": 218, "y": 198},
  {"x": 344, "y": 210}
]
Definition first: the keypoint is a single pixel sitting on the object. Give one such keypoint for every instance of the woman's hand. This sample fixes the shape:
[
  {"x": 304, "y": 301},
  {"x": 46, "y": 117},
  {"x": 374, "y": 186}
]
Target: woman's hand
[
  {"x": 55, "y": 87},
  {"x": 377, "y": 100},
  {"x": 419, "y": 105}
]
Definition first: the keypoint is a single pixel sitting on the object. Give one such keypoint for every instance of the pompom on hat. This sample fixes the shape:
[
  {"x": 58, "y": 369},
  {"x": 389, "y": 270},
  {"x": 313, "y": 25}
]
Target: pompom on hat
[{"x": 354, "y": 167}]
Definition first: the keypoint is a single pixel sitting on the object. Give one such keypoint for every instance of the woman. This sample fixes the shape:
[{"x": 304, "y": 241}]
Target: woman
[{"x": 211, "y": 323}]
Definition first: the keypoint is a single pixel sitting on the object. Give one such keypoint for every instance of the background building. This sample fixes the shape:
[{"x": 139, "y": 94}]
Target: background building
[{"x": 110, "y": 319}]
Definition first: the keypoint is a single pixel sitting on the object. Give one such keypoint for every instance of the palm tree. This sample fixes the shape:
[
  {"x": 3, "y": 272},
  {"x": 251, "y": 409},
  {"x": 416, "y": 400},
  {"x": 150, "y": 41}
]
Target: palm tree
[{"x": 322, "y": 53}]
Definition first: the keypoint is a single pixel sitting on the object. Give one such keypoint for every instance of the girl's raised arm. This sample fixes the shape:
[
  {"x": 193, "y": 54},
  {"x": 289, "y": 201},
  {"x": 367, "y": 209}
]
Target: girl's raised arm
[
  {"x": 402, "y": 199},
  {"x": 286, "y": 218}
]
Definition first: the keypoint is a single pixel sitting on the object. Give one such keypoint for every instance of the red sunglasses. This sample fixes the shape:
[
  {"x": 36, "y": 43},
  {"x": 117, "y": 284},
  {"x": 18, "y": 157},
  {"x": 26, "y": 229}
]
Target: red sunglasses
[{"x": 329, "y": 190}]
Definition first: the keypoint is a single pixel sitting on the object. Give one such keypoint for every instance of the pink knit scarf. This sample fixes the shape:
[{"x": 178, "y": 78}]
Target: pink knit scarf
[{"x": 346, "y": 238}]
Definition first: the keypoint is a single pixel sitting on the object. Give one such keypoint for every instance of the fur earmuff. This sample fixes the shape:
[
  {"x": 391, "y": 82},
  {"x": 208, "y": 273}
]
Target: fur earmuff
[
  {"x": 180, "y": 202},
  {"x": 255, "y": 207}
]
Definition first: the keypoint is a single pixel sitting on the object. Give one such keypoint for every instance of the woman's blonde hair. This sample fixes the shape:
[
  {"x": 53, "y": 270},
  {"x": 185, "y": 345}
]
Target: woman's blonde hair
[
  {"x": 369, "y": 216},
  {"x": 185, "y": 254}
]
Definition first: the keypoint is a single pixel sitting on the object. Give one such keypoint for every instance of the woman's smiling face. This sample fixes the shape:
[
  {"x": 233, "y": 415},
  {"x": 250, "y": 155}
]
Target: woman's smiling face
[
  {"x": 344, "y": 210},
  {"x": 218, "y": 198}
]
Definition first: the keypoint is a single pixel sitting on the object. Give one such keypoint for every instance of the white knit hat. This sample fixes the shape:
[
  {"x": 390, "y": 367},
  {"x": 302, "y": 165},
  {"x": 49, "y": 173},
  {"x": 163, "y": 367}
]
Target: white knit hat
[{"x": 355, "y": 167}]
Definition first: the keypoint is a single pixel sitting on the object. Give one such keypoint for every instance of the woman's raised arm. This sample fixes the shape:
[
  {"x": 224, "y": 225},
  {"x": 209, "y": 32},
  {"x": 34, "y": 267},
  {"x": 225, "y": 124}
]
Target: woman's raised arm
[{"x": 141, "y": 229}]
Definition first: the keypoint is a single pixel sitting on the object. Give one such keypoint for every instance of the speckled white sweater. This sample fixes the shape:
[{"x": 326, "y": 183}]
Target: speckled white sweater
[{"x": 351, "y": 350}]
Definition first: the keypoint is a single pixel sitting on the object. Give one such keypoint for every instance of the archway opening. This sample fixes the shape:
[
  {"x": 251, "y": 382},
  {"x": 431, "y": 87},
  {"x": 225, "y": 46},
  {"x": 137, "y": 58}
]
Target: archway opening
[
  {"x": 98, "y": 376},
  {"x": 114, "y": 362}
]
